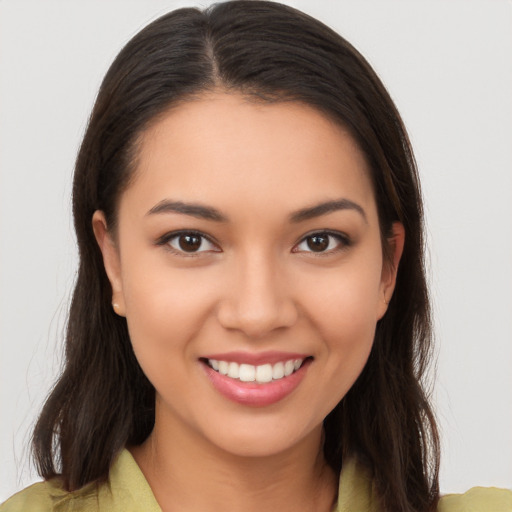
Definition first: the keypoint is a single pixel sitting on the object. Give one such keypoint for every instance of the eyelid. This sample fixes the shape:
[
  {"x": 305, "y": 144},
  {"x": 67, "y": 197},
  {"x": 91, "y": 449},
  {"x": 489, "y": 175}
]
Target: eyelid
[
  {"x": 167, "y": 237},
  {"x": 343, "y": 239}
]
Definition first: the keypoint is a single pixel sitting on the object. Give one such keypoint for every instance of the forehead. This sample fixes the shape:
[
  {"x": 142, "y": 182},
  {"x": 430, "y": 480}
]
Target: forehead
[{"x": 222, "y": 147}]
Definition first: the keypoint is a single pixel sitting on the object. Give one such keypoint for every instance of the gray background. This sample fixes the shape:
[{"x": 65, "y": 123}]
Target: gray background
[{"x": 448, "y": 66}]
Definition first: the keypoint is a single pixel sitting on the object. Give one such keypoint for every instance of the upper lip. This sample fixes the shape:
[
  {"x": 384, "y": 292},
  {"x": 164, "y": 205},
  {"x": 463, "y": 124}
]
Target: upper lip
[{"x": 256, "y": 358}]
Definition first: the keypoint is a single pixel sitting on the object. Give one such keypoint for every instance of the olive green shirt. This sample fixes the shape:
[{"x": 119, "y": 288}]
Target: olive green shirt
[{"x": 128, "y": 491}]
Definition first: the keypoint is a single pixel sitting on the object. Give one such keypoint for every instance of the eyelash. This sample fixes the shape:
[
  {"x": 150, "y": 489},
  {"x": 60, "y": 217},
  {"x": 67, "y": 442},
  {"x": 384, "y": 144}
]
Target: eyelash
[
  {"x": 342, "y": 241},
  {"x": 166, "y": 240}
]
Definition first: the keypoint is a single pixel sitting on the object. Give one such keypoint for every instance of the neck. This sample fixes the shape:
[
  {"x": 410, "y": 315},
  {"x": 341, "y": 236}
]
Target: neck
[{"x": 186, "y": 472}]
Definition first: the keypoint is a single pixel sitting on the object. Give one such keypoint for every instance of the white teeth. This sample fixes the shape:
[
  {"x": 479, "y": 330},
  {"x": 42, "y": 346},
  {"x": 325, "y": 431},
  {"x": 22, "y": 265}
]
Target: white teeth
[
  {"x": 264, "y": 373},
  {"x": 223, "y": 367},
  {"x": 288, "y": 368},
  {"x": 233, "y": 370},
  {"x": 247, "y": 373},
  {"x": 261, "y": 374},
  {"x": 278, "y": 371}
]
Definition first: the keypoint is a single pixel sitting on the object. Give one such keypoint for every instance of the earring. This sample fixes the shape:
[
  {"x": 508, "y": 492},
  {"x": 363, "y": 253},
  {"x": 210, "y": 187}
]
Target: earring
[{"x": 117, "y": 309}]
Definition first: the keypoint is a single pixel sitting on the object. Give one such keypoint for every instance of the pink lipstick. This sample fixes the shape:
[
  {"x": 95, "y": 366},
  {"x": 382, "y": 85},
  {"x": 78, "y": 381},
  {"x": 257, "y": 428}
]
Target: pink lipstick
[{"x": 256, "y": 380}]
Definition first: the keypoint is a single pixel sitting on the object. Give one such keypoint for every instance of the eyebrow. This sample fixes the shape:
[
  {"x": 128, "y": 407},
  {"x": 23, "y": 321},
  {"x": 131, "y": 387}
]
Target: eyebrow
[
  {"x": 209, "y": 213},
  {"x": 327, "y": 207},
  {"x": 193, "y": 209}
]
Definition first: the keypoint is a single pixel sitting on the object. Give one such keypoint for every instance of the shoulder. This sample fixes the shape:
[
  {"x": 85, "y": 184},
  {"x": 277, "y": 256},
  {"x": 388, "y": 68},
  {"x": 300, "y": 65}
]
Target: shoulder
[
  {"x": 49, "y": 496},
  {"x": 125, "y": 491},
  {"x": 36, "y": 498},
  {"x": 477, "y": 499},
  {"x": 357, "y": 493}
]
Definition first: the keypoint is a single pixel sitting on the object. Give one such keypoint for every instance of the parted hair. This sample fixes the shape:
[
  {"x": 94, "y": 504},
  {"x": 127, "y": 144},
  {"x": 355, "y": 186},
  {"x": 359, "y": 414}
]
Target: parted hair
[{"x": 269, "y": 52}]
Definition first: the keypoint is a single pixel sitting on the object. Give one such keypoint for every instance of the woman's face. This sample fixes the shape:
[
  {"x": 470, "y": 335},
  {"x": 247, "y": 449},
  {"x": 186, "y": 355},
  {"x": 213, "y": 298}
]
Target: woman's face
[{"x": 248, "y": 243}]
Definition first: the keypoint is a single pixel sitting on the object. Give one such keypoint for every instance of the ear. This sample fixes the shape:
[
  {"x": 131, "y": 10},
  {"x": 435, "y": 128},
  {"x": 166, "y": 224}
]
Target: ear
[
  {"x": 390, "y": 265},
  {"x": 111, "y": 260}
]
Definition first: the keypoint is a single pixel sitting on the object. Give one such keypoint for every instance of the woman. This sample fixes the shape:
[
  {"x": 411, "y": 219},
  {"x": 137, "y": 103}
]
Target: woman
[{"x": 250, "y": 318}]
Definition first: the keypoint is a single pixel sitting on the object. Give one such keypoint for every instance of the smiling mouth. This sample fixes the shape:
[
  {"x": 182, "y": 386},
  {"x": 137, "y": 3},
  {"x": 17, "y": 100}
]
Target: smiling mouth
[{"x": 260, "y": 374}]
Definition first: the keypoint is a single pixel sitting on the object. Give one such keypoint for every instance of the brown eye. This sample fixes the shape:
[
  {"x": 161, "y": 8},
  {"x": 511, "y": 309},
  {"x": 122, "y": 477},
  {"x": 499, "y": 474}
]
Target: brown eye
[
  {"x": 189, "y": 243},
  {"x": 318, "y": 243},
  {"x": 322, "y": 242}
]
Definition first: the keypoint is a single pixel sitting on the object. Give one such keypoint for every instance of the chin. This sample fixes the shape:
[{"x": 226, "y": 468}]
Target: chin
[{"x": 260, "y": 440}]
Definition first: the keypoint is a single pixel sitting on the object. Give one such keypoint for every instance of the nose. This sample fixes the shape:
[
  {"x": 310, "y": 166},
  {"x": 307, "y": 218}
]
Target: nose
[{"x": 258, "y": 298}]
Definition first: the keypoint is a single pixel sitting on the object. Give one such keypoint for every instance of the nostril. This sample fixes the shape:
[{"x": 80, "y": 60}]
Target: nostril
[{"x": 257, "y": 318}]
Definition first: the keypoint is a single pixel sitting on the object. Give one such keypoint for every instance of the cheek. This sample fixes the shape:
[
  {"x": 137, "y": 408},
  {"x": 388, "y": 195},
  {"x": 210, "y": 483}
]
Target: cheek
[
  {"x": 165, "y": 310},
  {"x": 348, "y": 332},
  {"x": 345, "y": 302},
  {"x": 344, "y": 307},
  {"x": 348, "y": 329}
]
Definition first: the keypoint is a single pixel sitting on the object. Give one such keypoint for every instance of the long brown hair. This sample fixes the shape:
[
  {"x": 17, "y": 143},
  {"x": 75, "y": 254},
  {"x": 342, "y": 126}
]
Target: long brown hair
[{"x": 103, "y": 401}]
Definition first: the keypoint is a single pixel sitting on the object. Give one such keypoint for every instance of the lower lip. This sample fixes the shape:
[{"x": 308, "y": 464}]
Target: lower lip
[{"x": 252, "y": 393}]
